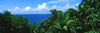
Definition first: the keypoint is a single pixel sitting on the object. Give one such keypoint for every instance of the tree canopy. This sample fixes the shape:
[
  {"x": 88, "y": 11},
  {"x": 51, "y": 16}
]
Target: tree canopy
[{"x": 84, "y": 20}]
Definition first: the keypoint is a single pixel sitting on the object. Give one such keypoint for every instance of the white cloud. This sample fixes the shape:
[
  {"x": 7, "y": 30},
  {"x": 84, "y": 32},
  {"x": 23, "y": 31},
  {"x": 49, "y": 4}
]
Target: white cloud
[
  {"x": 16, "y": 8},
  {"x": 9, "y": 10},
  {"x": 70, "y": 6},
  {"x": 41, "y": 7},
  {"x": 76, "y": 4},
  {"x": 57, "y": 1},
  {"x": 12, "y": 10},
  {"x": 27, "y": 8},
  {"x": 67, "y": 5},
  {"x": 54, "y": 7}
]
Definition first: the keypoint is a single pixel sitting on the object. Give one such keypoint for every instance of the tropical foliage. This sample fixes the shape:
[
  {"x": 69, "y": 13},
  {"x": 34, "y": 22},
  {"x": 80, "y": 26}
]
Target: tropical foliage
[{"x": 84, "y": 20}]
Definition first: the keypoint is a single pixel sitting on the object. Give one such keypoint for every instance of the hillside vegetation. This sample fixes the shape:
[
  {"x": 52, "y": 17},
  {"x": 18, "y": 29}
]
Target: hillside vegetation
[{"x": 84, "y": 20}]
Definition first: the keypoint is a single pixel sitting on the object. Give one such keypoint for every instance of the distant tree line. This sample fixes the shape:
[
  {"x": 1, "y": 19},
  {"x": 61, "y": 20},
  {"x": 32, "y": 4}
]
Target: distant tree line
[{"x": 84, "y": 20}]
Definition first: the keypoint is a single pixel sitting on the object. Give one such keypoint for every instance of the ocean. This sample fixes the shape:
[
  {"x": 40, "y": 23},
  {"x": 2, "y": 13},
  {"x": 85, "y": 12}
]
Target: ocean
[{"x": 35, "y": 17}]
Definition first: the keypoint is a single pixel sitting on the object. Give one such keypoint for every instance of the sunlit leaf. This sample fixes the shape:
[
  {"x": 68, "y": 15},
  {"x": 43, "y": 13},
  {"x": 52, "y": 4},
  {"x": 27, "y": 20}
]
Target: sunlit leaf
[{"x": 65, "y": 28}]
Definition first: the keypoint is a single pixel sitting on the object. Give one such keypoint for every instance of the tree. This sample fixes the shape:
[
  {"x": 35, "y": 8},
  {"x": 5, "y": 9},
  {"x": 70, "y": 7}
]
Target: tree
[{"x": 12, "y": 24}]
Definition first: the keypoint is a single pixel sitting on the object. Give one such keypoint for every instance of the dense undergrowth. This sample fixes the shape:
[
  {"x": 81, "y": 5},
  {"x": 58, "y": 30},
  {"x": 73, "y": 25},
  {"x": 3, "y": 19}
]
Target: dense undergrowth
[{"x": 84, "y": 20}]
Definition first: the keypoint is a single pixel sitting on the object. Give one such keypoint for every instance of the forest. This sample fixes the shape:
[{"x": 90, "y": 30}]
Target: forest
[{"x": 84, "y": 20}]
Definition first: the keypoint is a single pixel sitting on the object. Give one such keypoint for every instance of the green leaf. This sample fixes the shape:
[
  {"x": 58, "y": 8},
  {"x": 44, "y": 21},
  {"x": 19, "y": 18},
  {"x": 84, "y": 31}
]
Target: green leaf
[
  {"x": 78, "y": 28},
  {"x": 70, "y": 22},
  {"x": 65, "y": 28},
  {"x": 72, "y": 30},
  {"x": 57, "y": 25}
]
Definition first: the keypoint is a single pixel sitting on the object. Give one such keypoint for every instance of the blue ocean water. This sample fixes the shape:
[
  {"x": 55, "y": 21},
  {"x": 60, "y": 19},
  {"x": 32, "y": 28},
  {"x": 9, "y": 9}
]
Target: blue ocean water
[{"x": 35, "y": 17}]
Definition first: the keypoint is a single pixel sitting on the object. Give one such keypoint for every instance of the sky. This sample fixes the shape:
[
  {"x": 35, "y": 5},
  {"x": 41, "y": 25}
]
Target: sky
[{"x": 37, "y": 6}]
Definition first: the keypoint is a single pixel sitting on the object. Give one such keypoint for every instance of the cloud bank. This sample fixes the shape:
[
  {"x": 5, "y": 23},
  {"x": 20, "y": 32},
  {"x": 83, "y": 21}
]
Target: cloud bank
[{"x": 42, "y": 8}]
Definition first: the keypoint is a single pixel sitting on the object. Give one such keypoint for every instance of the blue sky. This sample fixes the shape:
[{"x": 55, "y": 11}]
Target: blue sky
[{"x": 36, "y": 6}]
